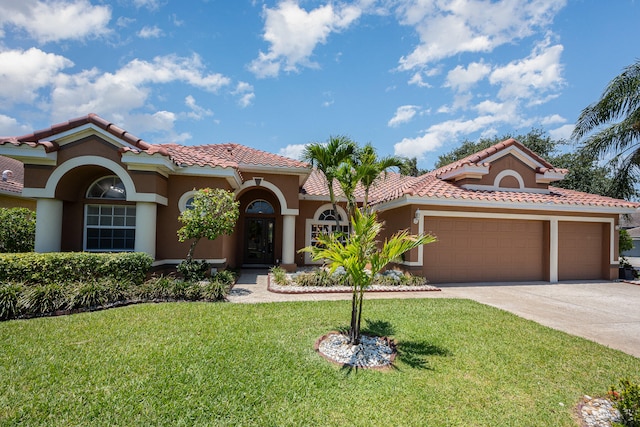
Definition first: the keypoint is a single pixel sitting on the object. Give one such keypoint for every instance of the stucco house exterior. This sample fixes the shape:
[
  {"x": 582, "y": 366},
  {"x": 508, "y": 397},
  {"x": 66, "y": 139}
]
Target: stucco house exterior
[{"x": 496, "y": 215}]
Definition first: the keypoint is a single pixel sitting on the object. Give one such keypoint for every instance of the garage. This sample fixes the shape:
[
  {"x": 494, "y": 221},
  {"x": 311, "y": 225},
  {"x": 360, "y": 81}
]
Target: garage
[
  {"x": 485, "y": 250},
  {"x": 580, "y": 250}
]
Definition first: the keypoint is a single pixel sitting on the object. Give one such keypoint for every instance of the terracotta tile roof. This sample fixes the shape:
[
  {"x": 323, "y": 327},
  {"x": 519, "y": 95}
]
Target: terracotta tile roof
[
  {"x": 15, "y": 179},
  {"x": 428, "y": 186},
  {"x": 477, "y": 158},
  {"x": 39, "y": 137},
  {"x": 228, "y": 155}
]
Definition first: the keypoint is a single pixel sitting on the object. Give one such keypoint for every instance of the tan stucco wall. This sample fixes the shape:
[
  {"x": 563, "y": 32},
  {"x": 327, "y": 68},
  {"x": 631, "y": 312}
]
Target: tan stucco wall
[{"x": 7, "y": 201}]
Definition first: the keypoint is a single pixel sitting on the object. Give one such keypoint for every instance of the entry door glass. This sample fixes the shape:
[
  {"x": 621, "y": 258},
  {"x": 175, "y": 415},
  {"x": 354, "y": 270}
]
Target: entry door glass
[{"x": 259, "y": 241}]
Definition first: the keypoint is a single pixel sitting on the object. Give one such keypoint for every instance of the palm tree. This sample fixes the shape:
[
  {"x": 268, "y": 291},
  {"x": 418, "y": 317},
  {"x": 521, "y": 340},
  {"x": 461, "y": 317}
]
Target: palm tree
[
  {"x": 327, "y": 158},
  {"x": 615, "y": 118},
  {"x": 369, "y": 168},
  {"x": 359, "y": 255}
]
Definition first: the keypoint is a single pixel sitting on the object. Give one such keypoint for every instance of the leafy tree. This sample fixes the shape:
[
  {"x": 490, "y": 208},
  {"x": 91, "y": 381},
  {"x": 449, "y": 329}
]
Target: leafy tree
[
  {"x": 18, "y": 230},
  {"x": 409, "y": 167},
  {"x": 611, "y": 126},
  {"x": 585, "y": 172},
  {"x": 359, "y": 255},
  {"x": 214, "y": 212},
  {"x": 328, "y": 157}
]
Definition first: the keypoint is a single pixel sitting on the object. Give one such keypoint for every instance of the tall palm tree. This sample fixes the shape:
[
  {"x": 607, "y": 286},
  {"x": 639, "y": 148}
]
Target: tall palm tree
[
  {"x": 615, "y": 118},
  {"x": 327, "y": 158},
  {"x": 361, "y": 258}
]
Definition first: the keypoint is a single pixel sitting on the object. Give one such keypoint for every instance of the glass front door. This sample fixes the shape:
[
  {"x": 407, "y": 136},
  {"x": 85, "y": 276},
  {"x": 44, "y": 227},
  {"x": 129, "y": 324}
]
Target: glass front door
[{"x": 259, "y": 241}]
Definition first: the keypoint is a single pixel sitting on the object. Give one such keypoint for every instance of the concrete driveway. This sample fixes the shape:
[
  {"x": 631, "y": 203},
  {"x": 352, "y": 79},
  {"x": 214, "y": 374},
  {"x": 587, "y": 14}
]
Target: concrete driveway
[{"x": 607, "y": 313}]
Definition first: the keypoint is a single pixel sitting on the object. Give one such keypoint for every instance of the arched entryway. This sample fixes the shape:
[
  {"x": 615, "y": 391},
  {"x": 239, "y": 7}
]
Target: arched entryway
[{"x": 259, "y": 234}]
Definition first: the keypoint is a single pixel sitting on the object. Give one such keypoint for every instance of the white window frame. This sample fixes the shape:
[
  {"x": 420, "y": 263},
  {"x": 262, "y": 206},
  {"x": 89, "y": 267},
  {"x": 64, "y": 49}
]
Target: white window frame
[
  {"x": 129, "y": 214},
  {"x": 328, "y": 225}
]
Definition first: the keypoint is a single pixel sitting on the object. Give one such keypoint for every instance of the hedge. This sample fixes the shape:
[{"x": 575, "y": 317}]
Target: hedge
[{"x": 57, "y": 267}]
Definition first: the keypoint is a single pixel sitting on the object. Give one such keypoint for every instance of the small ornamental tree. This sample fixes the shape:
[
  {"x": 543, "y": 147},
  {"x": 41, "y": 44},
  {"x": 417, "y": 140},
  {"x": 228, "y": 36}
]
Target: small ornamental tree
[
  {"x": 359, "y": 254},
  {"x": 18, "y": 230},
  {"x": 214, "y": 212}
]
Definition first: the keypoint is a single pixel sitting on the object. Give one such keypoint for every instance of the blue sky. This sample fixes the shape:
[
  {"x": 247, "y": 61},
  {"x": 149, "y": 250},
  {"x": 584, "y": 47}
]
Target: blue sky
[{"x": 413, "y": 77}]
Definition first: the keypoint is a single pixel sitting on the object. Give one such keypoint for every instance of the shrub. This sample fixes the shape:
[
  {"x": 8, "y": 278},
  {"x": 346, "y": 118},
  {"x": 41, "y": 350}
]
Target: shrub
[
  {"x": 42, "y": 299},
  {"x": 18, "y": 230},
  {"x": 279, "y": 276},
  {"x": 90, "y": 294},
  {"x": 193, "y": 270},
  {"x": 58, "y": 267},
  {"x": 627, "y": 402},
  {"x": 9, "y": 300},
  {"x": 225, "y": 276},
  {"x": 156, "y": 288},
  {"x": 214, "y": 291}
]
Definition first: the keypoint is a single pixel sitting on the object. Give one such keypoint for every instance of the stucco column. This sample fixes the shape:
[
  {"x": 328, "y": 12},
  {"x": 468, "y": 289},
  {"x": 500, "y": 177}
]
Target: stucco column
[
  {"x": 48, "y": 225},
  {"x": 288, "y": 242},
  {"x": 146, "y": 213},
  {"x": 553, "y": 251}
]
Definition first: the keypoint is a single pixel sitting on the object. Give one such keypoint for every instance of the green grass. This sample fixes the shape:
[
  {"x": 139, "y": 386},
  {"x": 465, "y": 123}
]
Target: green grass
[{"x": 460, "y": 364}]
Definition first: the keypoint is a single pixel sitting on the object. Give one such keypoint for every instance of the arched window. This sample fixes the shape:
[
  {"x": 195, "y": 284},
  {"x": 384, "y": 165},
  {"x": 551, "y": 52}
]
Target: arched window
[
  {"x": 109, "y": 227},
  {"x": 260, "y": 207},
  {"x": 329, "y": 215},
  {"x": 109, "y": 187},
  {"x": 323, "y": 222}
]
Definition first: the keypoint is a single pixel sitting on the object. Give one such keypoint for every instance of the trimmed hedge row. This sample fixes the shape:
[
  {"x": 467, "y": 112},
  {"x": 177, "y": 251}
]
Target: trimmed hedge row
[
  {"x": 57, "y": 267},
  {"x": 29, "y": 300}
]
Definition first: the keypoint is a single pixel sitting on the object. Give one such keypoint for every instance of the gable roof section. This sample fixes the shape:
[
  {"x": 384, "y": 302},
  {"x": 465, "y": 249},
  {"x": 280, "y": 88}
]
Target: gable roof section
[
  {"x": 476, "y": 165},
  {"x": 41, "y": 147}
]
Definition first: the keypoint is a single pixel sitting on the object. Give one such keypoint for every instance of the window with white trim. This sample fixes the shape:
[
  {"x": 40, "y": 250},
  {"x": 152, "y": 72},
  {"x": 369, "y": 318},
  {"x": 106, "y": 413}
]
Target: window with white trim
[
  {"x": 326, "y": 224},
  {"x": 109, "y": 227},
  {"x": 260, "y": 207}
]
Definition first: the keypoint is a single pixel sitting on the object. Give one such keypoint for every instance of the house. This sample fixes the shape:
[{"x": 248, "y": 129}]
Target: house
[
  {"x": 11, "y": 185},
  {"x": 496, "y": 215}
]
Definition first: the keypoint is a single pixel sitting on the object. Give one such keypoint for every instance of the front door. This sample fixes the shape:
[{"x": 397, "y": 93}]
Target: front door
[{"x": 259, "y": 241}]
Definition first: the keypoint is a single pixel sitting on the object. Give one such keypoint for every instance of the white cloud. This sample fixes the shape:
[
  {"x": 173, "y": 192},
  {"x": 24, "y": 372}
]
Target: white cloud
[
  {"x": 150, "y": 32},
  {"x": 197, "y": 112},
  {"x": 461, "y": 79},
  {"x": 129, "y": 87},
  {"x": 531, "y": 77},
  {"x": 245, "y": 91},
  {"x": 437, "y": 135},
  {"x": 417, "y": 80},
  {"x": 50, "y": 21},
  {"x": 563, "y": 132},
  {"x": 293, "y": 34},
  {"x": 23, "y": 73},
  {"x": 553, "y": 119},
  {"x": 124, "y": 21},
  {"x": 449, "y": 27},
  {"x": 403, "y": 114},
  {"x": 293, "y": 151},
  {"x": 148, "y": 4},
  {"x": 10, "y": 127}
]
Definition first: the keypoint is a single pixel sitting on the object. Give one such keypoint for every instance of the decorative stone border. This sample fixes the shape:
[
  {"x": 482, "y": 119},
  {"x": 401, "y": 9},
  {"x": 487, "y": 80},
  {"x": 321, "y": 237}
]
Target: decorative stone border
[
  {"x": 386, "y": 367},
  {"x": 279, "y": 289}
]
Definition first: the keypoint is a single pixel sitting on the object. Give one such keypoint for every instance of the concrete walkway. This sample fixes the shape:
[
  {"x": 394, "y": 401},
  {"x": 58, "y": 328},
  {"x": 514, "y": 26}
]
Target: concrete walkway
[{"x": 608, "y": 313}]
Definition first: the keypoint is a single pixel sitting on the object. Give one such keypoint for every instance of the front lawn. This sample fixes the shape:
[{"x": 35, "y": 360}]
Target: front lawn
[{"x": 460, "y": 364}]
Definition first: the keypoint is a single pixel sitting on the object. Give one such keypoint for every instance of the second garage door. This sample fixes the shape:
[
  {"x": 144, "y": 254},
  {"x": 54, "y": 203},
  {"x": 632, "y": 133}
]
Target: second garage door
[{"x": 485, "y": 250}]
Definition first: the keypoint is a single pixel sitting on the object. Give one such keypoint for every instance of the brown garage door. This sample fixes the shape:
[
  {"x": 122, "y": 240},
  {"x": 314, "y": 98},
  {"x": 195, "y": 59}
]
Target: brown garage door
[
  {"x": 484, "y": 250},
  {"x": 580, "y": 250}
]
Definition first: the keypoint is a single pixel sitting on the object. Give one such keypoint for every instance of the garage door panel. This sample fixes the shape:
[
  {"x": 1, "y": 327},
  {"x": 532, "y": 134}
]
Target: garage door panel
[
  {"x": 580, "y": 251},
  {"x": 478, "y": 250}
]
